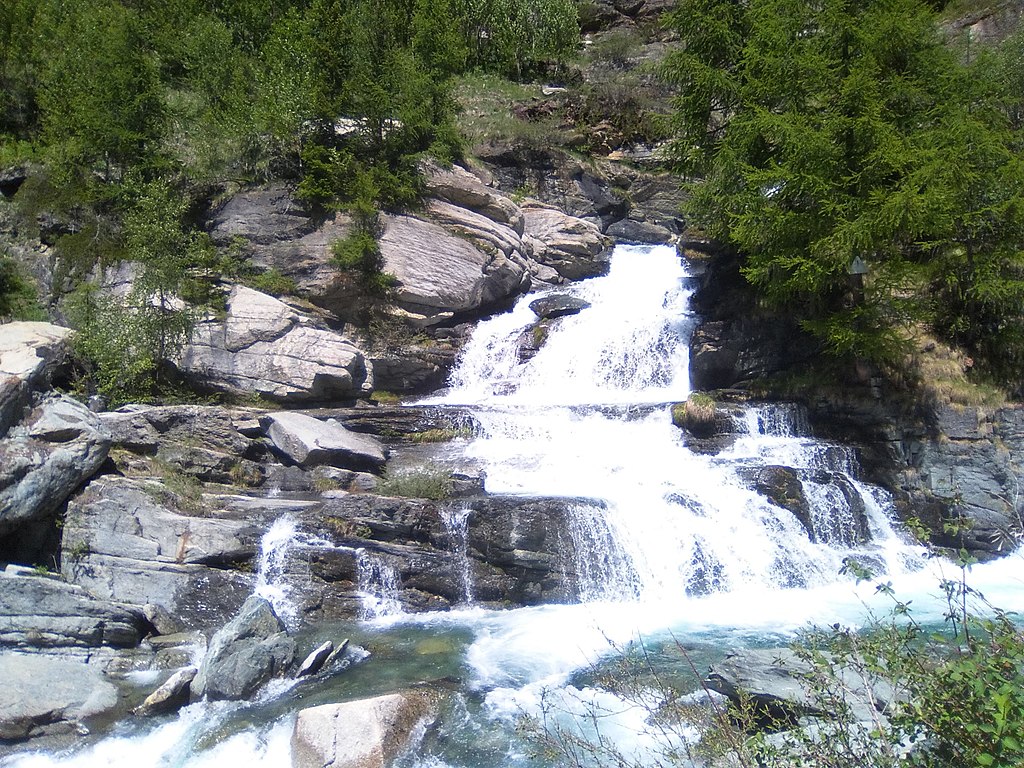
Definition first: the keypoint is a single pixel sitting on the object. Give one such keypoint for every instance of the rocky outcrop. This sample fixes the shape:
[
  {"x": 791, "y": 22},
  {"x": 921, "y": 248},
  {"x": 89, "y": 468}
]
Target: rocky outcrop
[
  {"x": 572, "y": 247},
  {"x": 367, "y": 733},
  {"x": 44, "y": 695},
  {"x": 264, "y": 347},
  {"x": 42, "y": 462},
  {"x": 30, "y": 353},
  {"x": 309, "y": 442},
  {"x": 206, "y": 442},
  {"x": 121, "y": 543},
  {"x": 988, "y": 25},
  {"x": 443, "y": 274},
  {"x": 774, "y": 681},
  {"x": 246, "y": 653},
  {"x": 952, "y": 467},
  {"x": 37, "y": 612}
]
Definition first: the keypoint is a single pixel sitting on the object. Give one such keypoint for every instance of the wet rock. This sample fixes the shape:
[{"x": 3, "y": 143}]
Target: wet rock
[
  {"x": 558, "y": 305},
  {"x": 62, "y": 445},
  {"x": 169, "y": 697},
  {"x": 774, "y": 680},
  {"x": 630, "y": 231},
  {"x": 247, "y": 652},
  {"x": 42, "y": 694},
  {"x": 783, "y": 488},
  {"x": 46, "y": 613},
  {"x": 264, "y": 347},
  {"x": 314, "y": 662},
  {"x": 308, "y": 442},
  {"x": 30, "y": 353},
  {"x": 368, "y": 733}
]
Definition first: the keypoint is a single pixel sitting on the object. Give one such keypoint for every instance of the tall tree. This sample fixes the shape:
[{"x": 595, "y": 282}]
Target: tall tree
[{"x": 834, "y": 130}]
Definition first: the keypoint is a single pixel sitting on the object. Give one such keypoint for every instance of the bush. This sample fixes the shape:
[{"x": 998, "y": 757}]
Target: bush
[
  {"x": 429, "y": 482},
  {"x": 18, "y": 298}
]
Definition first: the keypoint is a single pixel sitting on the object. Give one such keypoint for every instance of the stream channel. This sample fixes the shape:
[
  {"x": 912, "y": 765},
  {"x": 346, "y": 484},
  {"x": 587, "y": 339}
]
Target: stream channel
[{"x": 678, "y": 553}]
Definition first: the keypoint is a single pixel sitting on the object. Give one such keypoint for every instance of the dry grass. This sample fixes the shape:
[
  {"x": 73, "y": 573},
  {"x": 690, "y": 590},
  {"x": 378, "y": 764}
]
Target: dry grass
[{"x": 942, "y": 373}]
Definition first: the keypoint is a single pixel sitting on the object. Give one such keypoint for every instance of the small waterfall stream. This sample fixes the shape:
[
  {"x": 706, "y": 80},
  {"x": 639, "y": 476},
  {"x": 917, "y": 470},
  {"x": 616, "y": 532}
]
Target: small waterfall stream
[{"x": 678, "y": 546}]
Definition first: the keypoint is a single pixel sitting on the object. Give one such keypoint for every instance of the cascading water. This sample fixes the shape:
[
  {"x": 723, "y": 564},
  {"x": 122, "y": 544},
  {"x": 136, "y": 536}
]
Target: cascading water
[
  {"x": 676, "y": 545},
  {"x": 456, "y": 522}
]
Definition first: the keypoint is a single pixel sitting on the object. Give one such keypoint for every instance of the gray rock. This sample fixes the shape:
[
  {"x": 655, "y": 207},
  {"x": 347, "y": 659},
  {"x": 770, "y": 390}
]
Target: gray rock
[
  {"x": 62, "y": 445},
  {"x": 557, "y": 305},
  {"x": 122, "y": 544},
  {"x": 368, "y": 733},
  {"x": 246, "y": 653},
  {"x": 309, "y": 442},
  {"x": 42, "y": 693},
  {"x": 265, "y": 347},
  {"x": 572, "y": 247},
  {"x": 46, "y": 613},
  {"x": 459, "y": 187},
  {"x": 639, "y": 232},
  {"x": 314, "y": 662},
  {"x": 30, "y": 352},
  {"x": 171, "y": 696},
  {"x": 442, "y": 275}
]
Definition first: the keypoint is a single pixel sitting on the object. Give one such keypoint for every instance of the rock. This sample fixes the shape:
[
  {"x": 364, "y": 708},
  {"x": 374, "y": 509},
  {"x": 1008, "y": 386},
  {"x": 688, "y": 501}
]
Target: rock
[
  {"x": 122, "y": 544},
  {"x": 629, "y": 231},
  {"x": 62, "y": 445},
  {"x": 169, "y": 697},
  {"x": 774, "y": 681},
  {"x": 266, "y": 348},
  {"x": 368, "y": 733},
  {"x": 314, "y": 662},
  {"x": 783, "y": 488},
  {"x": 442, "y": 275},
  {"x": 42, "y": 693},
  {"x": 246, "y": 653},
  {"x": 557, "y": 305},
  {"x": 459, "y": 187},
  {"x": 30, "y": 353},
  {"x": 309, "y": 442},
  {"x": 572, "y": 247},
  {"x": 46, "y": 613}
]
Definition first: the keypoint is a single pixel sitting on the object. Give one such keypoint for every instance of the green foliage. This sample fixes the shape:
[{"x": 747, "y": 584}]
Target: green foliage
[
  {"x": 272, "y": 282},
  {"x": 434, "y": 483},
  {"x": 18, "y": 297},
  {"x": 827, "y": 131},
  {"x": 516, "y": 36}
]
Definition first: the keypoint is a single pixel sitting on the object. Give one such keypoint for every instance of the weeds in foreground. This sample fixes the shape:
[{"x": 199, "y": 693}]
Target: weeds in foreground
[{"x": 428, "y": 482}]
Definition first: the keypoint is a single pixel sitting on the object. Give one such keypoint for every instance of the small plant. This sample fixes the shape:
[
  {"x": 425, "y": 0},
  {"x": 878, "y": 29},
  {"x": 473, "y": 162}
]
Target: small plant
[
  {"x": 245, "y": 474},
  {"x": 273, "y": 282},
  {"x": 428, "y": 482},
  {"x": 386, "y": 398},
  {"x": 80, "y": 549},
  {"x": 439, "y": 435},
  {"x": 696, "y": 415},
  {"x": 181, "y": 489},
  {"x": 323, "y": 483}
]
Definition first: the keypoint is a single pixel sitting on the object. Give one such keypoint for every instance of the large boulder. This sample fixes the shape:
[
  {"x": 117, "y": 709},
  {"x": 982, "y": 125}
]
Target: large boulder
[
  {"x": 264, "y": 347},
  {"x": 246, "y": 653},
  {"x": 574, "y": 248},
  {"x": 122, "y": 544},
  {"x": 42, "y": 694},
  {"x": 29, "y": 354},
  {"x": 459, "y": 187},
  {"x": 38, "y": 612},
  {"x": 60, "y": 446},
  {"x": 308, "y": 442},
  {"x": 368, "y": 733},
  {"x": 443, "y": 274},
  {"x": 779, "y": 685}
]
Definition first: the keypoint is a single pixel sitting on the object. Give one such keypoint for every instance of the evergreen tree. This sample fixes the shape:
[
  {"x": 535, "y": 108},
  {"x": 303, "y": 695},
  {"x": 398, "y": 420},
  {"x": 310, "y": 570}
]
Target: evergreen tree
[{"x": 835, "y": 130}]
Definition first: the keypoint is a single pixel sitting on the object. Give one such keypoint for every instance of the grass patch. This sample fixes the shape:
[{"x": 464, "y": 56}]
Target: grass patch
[
  {"x": 696, "y": 415},
  {"x": 945, "y": 375},
  {"x": 488, "y": 105},
  {"x": 429, "y": 482},
  {"x": 440, "y": 435},
  {"x": 178, "y": 488}
]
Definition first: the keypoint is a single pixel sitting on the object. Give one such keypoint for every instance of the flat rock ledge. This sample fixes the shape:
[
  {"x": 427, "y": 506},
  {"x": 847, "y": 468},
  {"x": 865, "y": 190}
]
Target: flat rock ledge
[{"x": 43, "y": 695}]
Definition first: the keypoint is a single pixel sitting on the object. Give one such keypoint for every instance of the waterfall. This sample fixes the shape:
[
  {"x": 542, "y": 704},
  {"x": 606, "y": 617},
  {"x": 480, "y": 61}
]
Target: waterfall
[
  {"x": 577, "y": 420},
  {"x": 379, "y": 585},
  {"x": 456, "y": 523}
]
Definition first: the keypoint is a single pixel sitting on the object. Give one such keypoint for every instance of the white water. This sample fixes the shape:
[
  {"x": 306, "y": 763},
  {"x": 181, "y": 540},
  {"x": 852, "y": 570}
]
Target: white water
[{"x": 676, "y": 547}]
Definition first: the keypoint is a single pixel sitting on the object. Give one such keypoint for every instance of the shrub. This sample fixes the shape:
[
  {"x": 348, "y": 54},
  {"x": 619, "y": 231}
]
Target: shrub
[{"x": 434, "y": 483}]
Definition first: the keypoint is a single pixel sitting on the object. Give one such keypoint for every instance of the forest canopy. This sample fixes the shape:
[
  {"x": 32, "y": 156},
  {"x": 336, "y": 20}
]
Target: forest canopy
[{"x": 822, "y": 136}]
